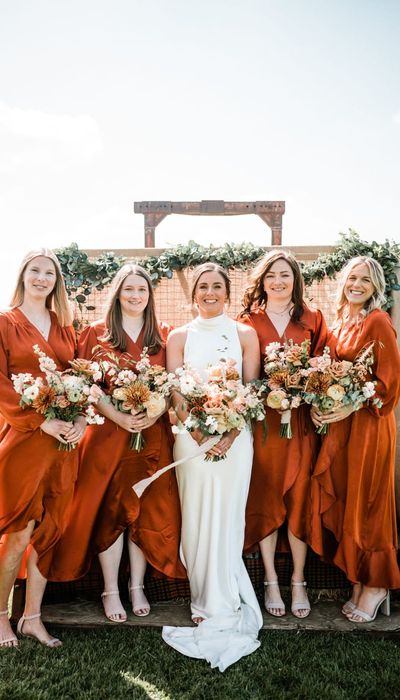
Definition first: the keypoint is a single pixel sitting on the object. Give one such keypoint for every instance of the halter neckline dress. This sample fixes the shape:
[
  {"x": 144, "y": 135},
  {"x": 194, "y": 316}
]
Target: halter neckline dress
[{"x": 213, "y": 500}]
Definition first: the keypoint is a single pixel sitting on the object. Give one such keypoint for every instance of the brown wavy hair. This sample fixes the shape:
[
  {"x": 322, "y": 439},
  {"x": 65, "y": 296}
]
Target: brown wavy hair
[
  {"x": 115, "y": 333},
  {"x": 255, "y": 295},
  {"x": 57, "y": 300},
  {"x": 210, "y": 267}
]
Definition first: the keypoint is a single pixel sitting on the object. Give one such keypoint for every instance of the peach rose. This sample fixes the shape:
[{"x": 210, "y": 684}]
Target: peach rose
[{"x": 275, "y": 398}]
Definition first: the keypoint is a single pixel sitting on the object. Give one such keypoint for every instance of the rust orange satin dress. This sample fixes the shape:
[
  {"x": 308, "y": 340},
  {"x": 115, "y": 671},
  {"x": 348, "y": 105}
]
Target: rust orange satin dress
[
  {"x": 36, "y": 479},
  {"x": 104, "y": 503},
  {"x": 280, "y": 481},
  {"x": 353, "y": 502}
]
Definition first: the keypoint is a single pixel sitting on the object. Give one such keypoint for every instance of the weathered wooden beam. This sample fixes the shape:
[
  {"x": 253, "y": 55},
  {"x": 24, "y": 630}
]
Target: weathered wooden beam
[{"x": 154, "y": 212}]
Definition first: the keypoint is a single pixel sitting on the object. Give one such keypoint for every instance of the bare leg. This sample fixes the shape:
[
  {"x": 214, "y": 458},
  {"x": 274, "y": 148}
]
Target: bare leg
[
  {"x": 110, "y": 560},
  {"x": 367, "y": 602},
  {"x": 273, "y": 602},
  {"x": 11, "y": 551},
  {"x": 35, "y": 587},
  {"x": 351, "y": 604},
  {"x": 138, "y": 563},
  {"x": 299, "y": 593}
]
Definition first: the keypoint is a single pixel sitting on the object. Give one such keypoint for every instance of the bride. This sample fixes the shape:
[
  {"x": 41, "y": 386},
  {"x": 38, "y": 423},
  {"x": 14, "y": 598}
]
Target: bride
[{"x": 213, "y": 494}]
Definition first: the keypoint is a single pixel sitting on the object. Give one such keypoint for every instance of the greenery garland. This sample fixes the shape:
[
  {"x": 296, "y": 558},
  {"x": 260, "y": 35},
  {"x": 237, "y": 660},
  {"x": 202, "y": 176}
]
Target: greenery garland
[{"x": 82, "y": 275}]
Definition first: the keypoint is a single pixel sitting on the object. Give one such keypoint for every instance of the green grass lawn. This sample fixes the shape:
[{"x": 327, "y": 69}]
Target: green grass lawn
[{"x": 122, "y": 663}]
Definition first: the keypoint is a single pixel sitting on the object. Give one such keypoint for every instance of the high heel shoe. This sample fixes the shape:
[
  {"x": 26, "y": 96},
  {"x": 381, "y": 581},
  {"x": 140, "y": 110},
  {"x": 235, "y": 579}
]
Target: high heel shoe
[
  {"x": 51, "y": 643},
  {"x": 348, "y": 608},
  {"x": 274, "y": 604},
  {"x": 10, "y": 641},
  {"x": 301, "y": 606},
  {"x": 383, "y": 604},
  {"x": 135, "y": 610},
  {"x": 110, "y": 616}
]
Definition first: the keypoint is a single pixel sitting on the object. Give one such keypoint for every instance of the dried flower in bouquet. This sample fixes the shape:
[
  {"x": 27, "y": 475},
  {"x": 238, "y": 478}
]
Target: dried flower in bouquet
[
  {"x": 63, "y": 395},
  {"x": 136, "y": 387},
  {"x": 218, "y": 404},
  {"x": 285, "y": 373},
  {"x": 332, "y": 384}
]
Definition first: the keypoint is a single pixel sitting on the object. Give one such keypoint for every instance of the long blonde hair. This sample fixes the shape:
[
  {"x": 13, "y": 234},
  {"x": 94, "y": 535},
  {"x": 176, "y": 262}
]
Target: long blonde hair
[
  {"x": 57, "y": 300},
  {"x": 113, "y": 319},
  {"x": 378, "y": 298}
]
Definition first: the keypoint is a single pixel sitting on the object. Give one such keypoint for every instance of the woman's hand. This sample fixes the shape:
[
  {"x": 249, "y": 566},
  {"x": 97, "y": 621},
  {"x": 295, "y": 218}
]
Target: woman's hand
[
  {"x": 223, "y": 445},
  {"x": 141, "y": 421},
  {"x": 334, "y": 416},
  {"x": 76, "y": 432},
  {"x": 57, "y": 429},
  {"x": 198, "y": 436},
  {"x": 316, "y": 416}
]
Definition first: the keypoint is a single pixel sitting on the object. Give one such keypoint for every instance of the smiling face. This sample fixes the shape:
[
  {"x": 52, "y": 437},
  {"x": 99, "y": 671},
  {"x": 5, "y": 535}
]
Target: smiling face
[
  {"x": 134, "y": 295},
  {"x": 39, "y": 278},
  {"x": 358, "y": 288},
  {"x": 278, "y": 282},
  {"x": 210, "y": 294}
]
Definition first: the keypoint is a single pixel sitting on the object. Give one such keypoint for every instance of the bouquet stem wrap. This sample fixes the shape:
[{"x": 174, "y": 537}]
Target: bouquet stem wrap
[
  {"x": 142, "y": 485},
  {"x": 286, "y": 428}
]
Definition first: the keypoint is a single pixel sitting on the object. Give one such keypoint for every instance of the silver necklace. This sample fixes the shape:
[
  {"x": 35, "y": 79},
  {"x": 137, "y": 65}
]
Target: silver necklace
[
  {"x": 279, "y": 313},
  {"x": 42, "y": 325}
]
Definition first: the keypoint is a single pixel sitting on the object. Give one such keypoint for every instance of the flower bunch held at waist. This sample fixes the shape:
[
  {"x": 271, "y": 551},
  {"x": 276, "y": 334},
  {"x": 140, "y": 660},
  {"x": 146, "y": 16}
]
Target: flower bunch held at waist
[
  {"x": 61, "y": 394},
  {"x": 285, "y": 374},
  {"x": 332, "y": 384},
  {"x": 136, "y": 387},
  {"x": 220, "y": 402}
]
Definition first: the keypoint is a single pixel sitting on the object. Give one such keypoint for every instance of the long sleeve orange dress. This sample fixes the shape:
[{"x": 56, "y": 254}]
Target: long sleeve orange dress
[
  {"x": 105, "y": 504},
  {"x": 280, "y": 482},
  {"x": 36, "y": 479},
  {"x": 353, "y": 502}
]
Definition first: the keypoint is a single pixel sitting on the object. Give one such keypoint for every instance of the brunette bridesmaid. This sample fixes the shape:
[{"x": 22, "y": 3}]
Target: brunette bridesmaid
[
  {"x": 354, "y": 515},
  {"x": 280, "y": 484},
  {"x": 105, "y": 508},
  {"x": 36, "y": 479}
]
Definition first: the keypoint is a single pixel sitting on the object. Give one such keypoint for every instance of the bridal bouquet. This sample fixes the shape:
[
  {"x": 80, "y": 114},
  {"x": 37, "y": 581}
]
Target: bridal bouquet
[
  {"x": 63, "y": 395},
  {"x": 335, "y": 383},
  {"x": 286, "y": 371},
  {"x": 143, "y": 389},
  {"x": 220, "y": 403}
]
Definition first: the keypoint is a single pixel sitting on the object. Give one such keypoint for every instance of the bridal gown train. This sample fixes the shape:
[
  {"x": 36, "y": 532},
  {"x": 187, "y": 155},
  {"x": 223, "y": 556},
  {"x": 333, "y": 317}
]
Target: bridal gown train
[{"x": 213, "y": 498}]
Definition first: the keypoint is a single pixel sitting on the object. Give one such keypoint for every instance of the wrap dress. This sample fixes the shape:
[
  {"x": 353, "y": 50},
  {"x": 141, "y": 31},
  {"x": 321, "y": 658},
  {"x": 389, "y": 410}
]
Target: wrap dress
[
  {"x": 353, "y": 501},
  {"x": 104, "y": 503},
  {"x": 36, "y": 479},
  {"x": 280, "y": 481}
]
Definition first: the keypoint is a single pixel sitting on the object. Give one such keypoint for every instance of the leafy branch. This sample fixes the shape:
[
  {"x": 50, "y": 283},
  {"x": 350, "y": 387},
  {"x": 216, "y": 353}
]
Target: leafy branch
[{"x": 83, "y": 275}]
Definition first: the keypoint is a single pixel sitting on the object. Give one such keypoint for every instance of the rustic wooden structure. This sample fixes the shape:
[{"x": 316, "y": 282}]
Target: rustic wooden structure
[{"x": 154, "y": 212}]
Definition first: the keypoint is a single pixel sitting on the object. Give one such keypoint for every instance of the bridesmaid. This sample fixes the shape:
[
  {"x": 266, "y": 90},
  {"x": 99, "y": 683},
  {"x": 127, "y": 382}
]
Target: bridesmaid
[
  {"x": 105, "y": 506},
  {"x": 36, "y": 479},
  {"x": 279, "y": 490},
  {"x": 354, "y": 517}
]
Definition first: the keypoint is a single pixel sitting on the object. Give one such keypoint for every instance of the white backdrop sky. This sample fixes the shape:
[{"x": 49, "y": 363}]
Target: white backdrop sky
[{"x": 106, "y": 102}]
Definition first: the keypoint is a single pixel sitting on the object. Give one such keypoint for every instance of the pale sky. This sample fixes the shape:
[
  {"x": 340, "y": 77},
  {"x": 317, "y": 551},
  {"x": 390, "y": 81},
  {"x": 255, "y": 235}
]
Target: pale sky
[{"x": 103, "y": 103}]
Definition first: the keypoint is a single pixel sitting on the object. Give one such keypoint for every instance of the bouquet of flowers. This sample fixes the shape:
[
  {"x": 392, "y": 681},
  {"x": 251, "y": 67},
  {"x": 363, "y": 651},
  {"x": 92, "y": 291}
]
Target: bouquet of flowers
[
  {"x": 143, "y": 389},
  {"x": 63, "y": 395},
  {"x": 219, "y": 404},
  {"x": 335, "y": 383},
  {"x": 285, "y": 370}
]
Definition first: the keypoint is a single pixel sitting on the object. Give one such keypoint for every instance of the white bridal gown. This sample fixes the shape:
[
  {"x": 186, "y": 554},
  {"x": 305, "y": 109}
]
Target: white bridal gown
[{"x": 213, "y": 497}]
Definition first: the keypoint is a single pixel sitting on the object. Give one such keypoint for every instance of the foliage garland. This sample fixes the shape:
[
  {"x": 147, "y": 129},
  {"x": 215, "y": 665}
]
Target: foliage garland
[{"x": 83, "y": 275}]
